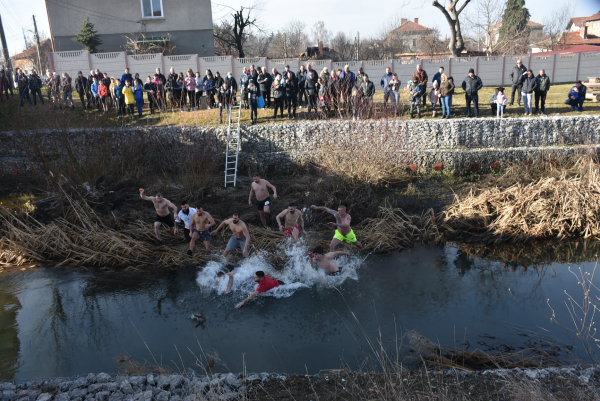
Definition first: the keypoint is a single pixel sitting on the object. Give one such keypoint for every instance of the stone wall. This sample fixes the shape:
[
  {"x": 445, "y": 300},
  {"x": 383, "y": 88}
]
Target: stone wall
[{"x": 459, "y": 145}]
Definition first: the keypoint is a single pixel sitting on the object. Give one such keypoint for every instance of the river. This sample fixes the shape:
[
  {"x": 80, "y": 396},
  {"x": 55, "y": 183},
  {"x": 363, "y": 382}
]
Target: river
[{"x": 64, "y": 322}]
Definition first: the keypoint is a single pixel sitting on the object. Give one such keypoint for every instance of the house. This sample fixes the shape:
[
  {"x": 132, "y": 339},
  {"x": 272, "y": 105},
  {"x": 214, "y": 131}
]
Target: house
[
  {"x": 536, "y": 36},
  {"x": 186, "y": 23},
  {"x": 582, "y": 31},
  {"x": 28, "y": 59},
  {"x": 407, "y": 38}
]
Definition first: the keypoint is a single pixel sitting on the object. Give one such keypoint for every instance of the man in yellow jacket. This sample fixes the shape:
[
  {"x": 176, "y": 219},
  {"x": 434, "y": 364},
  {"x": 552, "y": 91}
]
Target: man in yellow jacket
[{"x": 129, "y": 98}]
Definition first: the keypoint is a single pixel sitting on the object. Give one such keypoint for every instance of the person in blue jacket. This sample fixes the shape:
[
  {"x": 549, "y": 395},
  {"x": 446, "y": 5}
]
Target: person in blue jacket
[
  {"x": 126, "y": 77},
  {"x": 138, "y": 91}
]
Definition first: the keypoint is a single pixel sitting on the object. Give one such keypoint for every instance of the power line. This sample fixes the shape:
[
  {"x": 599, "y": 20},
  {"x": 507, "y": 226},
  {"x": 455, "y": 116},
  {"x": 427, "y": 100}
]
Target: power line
[{"x": 91, "y": 12}]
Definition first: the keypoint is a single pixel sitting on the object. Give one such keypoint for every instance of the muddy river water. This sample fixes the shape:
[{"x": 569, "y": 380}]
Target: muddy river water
[{"x": 64, "y": 322}]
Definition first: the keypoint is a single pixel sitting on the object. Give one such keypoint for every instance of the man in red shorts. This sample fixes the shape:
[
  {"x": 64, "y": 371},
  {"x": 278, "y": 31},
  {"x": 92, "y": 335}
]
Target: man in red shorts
[
  {"x": 291, "y": 228},
  {"x": 265, "y": 283}
]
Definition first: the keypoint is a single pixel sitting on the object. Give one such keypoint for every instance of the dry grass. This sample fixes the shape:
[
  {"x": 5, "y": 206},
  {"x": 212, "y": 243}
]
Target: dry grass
[{"x": 552, "y": 207}]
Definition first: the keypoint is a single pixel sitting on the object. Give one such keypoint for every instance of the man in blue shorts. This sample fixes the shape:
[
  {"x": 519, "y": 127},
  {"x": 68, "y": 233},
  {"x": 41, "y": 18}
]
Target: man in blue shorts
[{"x": 240, "y": 235}]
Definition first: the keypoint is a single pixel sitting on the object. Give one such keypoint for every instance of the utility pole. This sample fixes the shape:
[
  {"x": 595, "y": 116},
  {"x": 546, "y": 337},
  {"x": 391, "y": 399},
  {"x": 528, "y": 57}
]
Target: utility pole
[
  {"x": 285, "y": 45},
  {"x": 357, "y": 45},
  {"x": 25, "y": 38},
  {"x": 37, "y": 40},
  {"x": 4, "y": 47}
]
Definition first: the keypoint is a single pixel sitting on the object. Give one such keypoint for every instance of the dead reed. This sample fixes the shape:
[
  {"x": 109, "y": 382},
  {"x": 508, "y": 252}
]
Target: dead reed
[{"x": 552, "y": 207}]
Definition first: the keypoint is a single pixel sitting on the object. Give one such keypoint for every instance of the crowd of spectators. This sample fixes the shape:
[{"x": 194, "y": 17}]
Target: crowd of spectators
[{"x": 337, "y": 93}]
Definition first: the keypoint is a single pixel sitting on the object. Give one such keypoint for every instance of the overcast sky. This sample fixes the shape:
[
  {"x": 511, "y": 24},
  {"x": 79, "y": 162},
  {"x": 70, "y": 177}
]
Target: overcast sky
[{"x": 348, "y": 16}]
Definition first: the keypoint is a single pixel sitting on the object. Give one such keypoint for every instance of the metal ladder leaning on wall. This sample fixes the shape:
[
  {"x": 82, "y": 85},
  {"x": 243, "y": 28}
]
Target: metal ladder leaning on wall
[{"x": 232, "y": 150}]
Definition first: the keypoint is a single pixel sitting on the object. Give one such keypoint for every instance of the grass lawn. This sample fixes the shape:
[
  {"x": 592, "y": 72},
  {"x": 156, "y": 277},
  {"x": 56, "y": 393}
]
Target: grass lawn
[{"x": 50, "y": 116}]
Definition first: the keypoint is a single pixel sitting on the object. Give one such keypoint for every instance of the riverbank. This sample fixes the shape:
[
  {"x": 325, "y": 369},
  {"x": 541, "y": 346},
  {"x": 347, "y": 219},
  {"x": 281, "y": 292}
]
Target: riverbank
[{"x": 574, "y": 383}]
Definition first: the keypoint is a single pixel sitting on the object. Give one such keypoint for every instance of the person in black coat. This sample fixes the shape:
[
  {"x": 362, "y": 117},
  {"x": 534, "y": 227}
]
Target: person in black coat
[
  {"x": 151, "y": 90},
  {"x": 310, "y": 87},
  {"x": 278, "y": 94},
  {"x": 471, "y": 85},
  {"x": 82, "y": 88},
  {"x": 291, "y": 94},
  {"x": 518, "y": 71},
  {"x": 264, "y": 81}
]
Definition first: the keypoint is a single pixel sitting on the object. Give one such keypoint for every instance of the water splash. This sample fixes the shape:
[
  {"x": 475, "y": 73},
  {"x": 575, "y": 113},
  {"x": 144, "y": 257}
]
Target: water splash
[{"x": 297, "y": 272}]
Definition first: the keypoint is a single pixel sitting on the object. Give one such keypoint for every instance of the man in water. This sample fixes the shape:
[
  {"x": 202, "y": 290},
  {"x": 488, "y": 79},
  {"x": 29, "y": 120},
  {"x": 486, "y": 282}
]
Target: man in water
[
  {"x": 162, "y": 206},
  {"x": 201, "y": 223},
  {"x": 265, "y": 283},
  {"x": 291, "y": 228},
  {"x": 259, "y": 188},
  {"x": 185, "y": 215},
  {"x": 240, "y": 235},
  {"x": 343, "y": 230},
  {"x": 326, "y": 261}
]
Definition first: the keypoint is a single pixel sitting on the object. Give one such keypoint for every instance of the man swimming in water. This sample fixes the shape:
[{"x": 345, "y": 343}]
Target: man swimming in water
[
  {"x": 240, "y": 235},
  {"x": 259, "y": 188},
  {"x": 291, "y": 228},
  {"x": 343, "y": 230},
  {"x": 201, "y": 223},
  {"x": 162, "y": 206},
  {"x": 326, "y": 261},
  {"x": 265, "y": 283}
]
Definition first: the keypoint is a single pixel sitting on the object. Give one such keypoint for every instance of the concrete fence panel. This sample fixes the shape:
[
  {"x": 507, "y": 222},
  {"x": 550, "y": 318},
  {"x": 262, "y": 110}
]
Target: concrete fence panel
[
  {"x": 460, "y": 69},
  {"x": 112, "y": 64},
  {"x": 432, "y": 65},
  {"x": 223, "y": 64},
  {"x": 318, "y": 65},
  {"x": 490, "y": 70},
  {"x": 144, "y": 64},
  {"x": 589, "y": 66},
  {"x": 375, "y": 70},
  {"x": 240, "y": 63},
  {"x": 542, "y": 62},
  {"x": 405, "y": 69},
  {"x": 182, "y": 62},
  {"x": 280, "y": 64},
  {"x": 354, "y": 65},
  {"x": 71, "y": 62},
  {"x": 565, "y": 67}
]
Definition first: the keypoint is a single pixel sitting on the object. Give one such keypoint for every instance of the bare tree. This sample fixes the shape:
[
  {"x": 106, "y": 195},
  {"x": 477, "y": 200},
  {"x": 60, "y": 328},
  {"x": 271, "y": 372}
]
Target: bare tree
[
  {"x": 430, "y": 42},
  {"x": 139, "y": 43},
  {"x": 481, "y": 23},
  {"x": 343, "y": 46},
  {"x": 556, "y": 23},
  {"x": 258, "y": 44},
  {"x": 233, "y": 34},
  {"x": 290, "y": 41},
  {"x": 452, "y": 12},
  {"x": 320, "y": 33}
]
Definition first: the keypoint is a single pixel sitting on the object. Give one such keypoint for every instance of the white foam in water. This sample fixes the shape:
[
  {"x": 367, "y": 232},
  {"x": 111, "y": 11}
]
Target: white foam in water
[{"x": 297, "y": 273}]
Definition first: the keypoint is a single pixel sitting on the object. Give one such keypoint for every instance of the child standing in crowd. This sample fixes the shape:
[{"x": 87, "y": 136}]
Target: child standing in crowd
[
  {"x": 209, "y": 89},
  {"x": 102, "y": 96},
  {"x": 415, "y": 94},
  {"x": 493, "y": 103},
  {"x": 501, "y": 102},
  {"x": 129, "y": 98},
  {"x": 138, "y": 92},
  {"x": 158, "y": 95},
  {"x": 118, "y": 96},
  {"x": 199, "y": 90},
  {"x": 94, "y": 90},
  {"x": 434, "y": 96}
]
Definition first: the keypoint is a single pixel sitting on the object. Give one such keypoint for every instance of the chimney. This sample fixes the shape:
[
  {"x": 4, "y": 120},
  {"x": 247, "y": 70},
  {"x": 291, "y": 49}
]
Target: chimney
[
  {"x": 583, "y": 31},
  {"x": 416, "y": 20},
  {"x": 320, "y": 47},
  {"x": 403, "y": 21}
]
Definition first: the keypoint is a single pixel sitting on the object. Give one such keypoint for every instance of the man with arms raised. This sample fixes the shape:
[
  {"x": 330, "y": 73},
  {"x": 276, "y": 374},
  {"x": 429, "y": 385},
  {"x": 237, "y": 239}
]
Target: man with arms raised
[
  {"x": 162, "y": 206},
  {"x": 240, "y": 235},
  {"x": 291, "y": 228},
  {"x": 259, "y": 188},
  {"x": 185, "y": 215},
  {"x": 201, "y": 223},
  {"x": 343, "y": 230},
  {"x": 265, "y": 283},
  {"x": 326, "y": 261}
]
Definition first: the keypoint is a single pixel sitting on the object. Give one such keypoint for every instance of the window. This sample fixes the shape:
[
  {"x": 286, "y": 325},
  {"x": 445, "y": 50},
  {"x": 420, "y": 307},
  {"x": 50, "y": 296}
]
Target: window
[
  {"x": 152, "y": 9},
  {"x": 414, "y": 42}
]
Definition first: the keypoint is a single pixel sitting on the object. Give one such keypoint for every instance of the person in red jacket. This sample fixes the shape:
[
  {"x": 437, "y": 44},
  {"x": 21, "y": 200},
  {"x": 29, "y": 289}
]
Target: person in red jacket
[
  {"x": 265, "y": 283},
  {"x": 103, "y": 96}
]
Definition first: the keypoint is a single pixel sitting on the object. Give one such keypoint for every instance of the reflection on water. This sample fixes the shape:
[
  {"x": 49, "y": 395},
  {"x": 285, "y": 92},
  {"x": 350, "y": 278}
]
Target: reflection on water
[{"x": 62, "y": 322}]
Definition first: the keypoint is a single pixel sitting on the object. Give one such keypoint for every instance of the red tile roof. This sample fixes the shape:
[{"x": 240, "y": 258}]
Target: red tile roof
[
  {"x": 530, "y": 24},
  {"x": 574, "y": 38},
  {"x": 573, "y": 49},
  {"x": 410, "y": 26},
  {"x": 578, "y": 21}
]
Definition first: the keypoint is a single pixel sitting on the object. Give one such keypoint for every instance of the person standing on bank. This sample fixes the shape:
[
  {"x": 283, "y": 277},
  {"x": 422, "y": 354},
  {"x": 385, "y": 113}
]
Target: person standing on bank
[
  {"x": 517, "y": 72},
  {"x": 161, "y": 205},
  {"x": 420, "y": 78},
  {"x": 385, "y": 85},
  {"x": 35, "y": 87},
  {"x": 185, "y": 215},
  {"x": 446, "y": 92},
  {"x": 260, "y": 188},
  {"x": 291, "y": 94},
  {"x": 264, "y": 81},
  {"x": 528, "y": 86},
  {"x": 543, "y": 86},
  {"x": 471, "y": 85}
]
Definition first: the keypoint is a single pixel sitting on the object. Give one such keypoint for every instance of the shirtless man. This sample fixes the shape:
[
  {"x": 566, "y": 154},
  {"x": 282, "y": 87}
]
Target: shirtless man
[
  {"x": 343, "y": 230},
  {"x": 260, "y": 187},
  {"x": 162, "y": 206},
  {"x": 291, "y": 228},
  {"x": 240, "y": 235},
  {"x": 200, "y": 228},
  {"x": 326, "y": 261}
]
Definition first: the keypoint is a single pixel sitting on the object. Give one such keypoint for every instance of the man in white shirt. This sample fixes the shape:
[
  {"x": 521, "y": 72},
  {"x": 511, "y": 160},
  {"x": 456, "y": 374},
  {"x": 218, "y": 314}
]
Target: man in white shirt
[{"x": 185, "y": 215}]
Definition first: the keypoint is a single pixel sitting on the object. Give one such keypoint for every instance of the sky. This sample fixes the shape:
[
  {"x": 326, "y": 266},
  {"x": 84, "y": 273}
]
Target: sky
[{"x": 348, "y": 16}]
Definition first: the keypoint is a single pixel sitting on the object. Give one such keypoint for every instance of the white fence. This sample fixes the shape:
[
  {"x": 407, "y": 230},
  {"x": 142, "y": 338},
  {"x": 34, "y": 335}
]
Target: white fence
[{"x": 494, "y": 70}]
